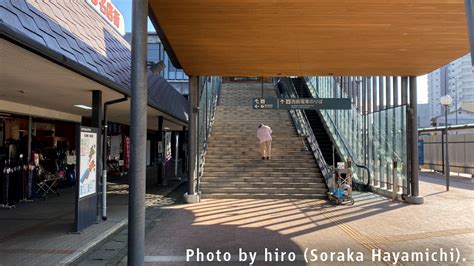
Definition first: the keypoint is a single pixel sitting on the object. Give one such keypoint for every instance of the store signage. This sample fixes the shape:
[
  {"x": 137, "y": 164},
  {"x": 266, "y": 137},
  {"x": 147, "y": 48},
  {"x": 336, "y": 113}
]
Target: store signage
[
  {"x": 87, "y": 163},
  {"x": 301, "y": 103},
  {"x": 110, "y": 13},
  {"x": 126, "y": 153}
]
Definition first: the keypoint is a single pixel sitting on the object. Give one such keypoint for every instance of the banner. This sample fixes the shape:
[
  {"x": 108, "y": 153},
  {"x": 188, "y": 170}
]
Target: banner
[{"x": 126, "y": 152}]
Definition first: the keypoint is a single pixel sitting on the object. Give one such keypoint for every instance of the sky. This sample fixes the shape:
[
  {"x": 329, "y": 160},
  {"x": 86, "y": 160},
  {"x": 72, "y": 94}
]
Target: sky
[{"x": 125, "y": 7}]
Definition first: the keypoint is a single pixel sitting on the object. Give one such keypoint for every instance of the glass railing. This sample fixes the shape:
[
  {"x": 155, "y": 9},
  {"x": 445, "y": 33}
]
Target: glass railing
[
  {"x": 209, "y": 92},
  {"x": 373, "y": 139}
]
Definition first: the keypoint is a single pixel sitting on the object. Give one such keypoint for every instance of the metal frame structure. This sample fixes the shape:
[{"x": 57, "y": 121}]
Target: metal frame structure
[
  {"x": 377, "y": 131},
  {"x": 470, "y": 25}
]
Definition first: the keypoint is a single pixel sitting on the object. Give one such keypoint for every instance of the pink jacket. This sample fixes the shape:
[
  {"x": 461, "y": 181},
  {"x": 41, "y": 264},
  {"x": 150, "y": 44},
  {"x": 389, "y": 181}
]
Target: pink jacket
[{"x": 264, "y": 133}]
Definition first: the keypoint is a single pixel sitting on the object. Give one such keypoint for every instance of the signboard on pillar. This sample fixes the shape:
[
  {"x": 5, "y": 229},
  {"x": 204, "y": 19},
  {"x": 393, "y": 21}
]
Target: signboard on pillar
[{"x": 86, "y": 193}]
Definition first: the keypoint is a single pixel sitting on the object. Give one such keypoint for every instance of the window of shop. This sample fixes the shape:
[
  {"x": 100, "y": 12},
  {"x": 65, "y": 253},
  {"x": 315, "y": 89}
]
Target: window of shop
[{"x": 35, "y": 166}]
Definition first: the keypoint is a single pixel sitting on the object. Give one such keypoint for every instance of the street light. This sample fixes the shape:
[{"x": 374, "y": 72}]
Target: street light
[{"x": 446, "y": 101}]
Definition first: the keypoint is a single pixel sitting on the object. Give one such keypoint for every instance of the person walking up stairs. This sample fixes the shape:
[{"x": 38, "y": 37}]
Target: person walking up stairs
[{"x": 233, "y": 166}]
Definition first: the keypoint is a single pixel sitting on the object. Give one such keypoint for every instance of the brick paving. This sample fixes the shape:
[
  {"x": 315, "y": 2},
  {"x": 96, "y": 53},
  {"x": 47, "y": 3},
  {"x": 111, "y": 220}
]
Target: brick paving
[
  {"x": 37, "y": 233},
  {"x": 446, "y": 220}
]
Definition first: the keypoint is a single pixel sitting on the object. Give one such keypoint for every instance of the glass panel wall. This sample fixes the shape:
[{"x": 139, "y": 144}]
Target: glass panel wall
[{"x": 372, "y": 134}]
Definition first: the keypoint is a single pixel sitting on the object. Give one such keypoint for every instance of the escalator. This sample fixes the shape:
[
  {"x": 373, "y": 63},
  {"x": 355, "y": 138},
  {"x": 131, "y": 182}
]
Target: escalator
[{"x": 331, "y": 157}]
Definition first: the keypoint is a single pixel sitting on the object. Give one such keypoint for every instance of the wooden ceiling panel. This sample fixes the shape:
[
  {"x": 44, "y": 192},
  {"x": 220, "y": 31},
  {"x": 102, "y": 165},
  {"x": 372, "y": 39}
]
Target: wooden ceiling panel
[{"x": 311, "y": 37}]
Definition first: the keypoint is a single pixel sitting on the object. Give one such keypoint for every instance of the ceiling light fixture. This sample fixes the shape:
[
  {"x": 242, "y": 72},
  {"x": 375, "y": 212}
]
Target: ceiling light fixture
[{"x": 83, "y": 106}]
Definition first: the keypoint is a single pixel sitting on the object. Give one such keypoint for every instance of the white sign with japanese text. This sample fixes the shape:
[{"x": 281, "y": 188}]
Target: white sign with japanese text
[{"x": 110, "y": 13}]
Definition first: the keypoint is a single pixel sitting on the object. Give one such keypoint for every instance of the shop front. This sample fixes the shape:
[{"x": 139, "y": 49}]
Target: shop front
[{"x": 63, "y": 74}]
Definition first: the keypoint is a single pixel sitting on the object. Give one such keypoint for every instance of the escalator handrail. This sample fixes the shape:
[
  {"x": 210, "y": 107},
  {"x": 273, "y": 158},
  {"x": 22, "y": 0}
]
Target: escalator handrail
[
  {"x": 349, "y": 152},
  {"x": 302, "y": 123}
]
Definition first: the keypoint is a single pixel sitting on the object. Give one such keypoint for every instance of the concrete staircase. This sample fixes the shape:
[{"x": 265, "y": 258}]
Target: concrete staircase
[{"x": 233, "y": 166}]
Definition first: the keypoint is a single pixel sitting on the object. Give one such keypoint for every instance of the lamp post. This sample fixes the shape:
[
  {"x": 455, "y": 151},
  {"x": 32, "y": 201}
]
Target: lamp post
[{"x": 446, "y": 101}]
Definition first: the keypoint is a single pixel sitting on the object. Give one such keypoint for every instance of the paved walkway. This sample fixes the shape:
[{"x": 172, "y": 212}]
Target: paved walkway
[
  {"x": 37, "y": 233},
  {"x": 373, "y": 224}
]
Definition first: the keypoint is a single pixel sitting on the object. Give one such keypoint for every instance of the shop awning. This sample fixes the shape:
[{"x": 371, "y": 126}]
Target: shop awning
[{"x": 54, "y": 62}]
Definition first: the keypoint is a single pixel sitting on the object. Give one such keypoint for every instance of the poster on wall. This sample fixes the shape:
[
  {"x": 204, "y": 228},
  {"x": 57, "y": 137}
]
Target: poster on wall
[{"x": 87, "y": 163}]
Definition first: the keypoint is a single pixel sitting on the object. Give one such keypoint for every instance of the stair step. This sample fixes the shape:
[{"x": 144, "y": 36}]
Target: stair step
[
  {"x": 257, "y": 184},
  {"x": 251, "y": 177},
  {"x": 264, "y": 190},
  {"x": 262, "y": 196},
  {"x": 233, "y": 167}
]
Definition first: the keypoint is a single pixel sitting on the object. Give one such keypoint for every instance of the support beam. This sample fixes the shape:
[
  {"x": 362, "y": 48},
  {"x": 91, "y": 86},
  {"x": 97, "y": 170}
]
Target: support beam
[
  {"x": 30, "y": 138},
  {"x": 161, "y": 152},
  {"x": 138, "y": 122},
  {"x": 412, "y": 141},
  {"x": 184, "y": 149},
  {"x": 470, "y": 25},
  {"x": 97, "y": 123},
  {"x": 192, "y": 196}
]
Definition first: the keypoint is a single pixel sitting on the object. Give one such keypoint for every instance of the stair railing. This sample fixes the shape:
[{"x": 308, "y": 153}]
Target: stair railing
[
  {"x": 304, "y": 130},
  {"x": 209, "y": 97}
]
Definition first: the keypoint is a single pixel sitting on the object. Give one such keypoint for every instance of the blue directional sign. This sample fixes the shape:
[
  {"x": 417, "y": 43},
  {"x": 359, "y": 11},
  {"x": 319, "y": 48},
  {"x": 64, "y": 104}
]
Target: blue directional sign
[
  {"x": 421, "y": 151},
  {"x": 301, "y": 103}
]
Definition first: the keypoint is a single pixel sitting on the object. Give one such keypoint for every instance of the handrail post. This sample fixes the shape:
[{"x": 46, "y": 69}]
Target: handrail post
[{"x": 395, "y": 181}]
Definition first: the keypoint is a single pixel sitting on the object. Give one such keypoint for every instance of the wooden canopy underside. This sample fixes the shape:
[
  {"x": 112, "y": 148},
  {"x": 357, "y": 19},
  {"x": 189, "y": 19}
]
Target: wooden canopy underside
[{"x": 312, "y": 37}]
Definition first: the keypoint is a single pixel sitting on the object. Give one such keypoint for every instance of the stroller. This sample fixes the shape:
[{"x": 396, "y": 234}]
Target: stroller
[{"x": 342, "y": 189}]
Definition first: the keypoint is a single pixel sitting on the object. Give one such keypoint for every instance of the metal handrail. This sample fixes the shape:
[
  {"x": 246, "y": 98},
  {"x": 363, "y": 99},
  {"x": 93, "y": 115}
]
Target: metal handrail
[
  {"x": 203, "y": 150},
  {"x": 301, "y": 122},
  {"x": 349, "y": 152}
]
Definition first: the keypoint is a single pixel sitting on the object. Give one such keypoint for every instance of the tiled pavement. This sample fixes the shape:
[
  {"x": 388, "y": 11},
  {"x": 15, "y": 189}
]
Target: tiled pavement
[
  {"x": 446, "y": 220},
  {"x": 37, "y": 233}
]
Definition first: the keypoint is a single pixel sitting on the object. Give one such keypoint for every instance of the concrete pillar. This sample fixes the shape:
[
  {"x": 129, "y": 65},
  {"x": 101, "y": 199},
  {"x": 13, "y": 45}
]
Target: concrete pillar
[
  {"x": 192, "y": 196},
  {"x": 412, "y": 144},
  {"x": 138, "y": 134}
]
